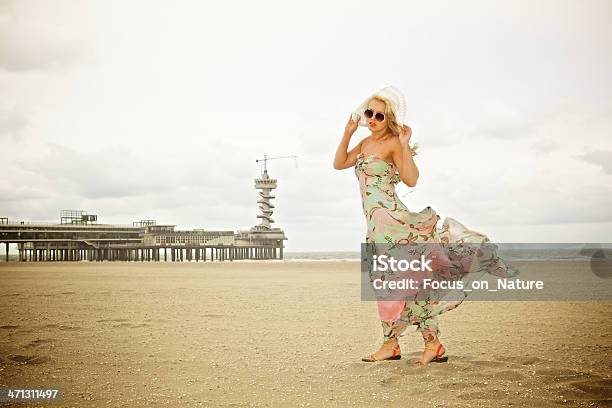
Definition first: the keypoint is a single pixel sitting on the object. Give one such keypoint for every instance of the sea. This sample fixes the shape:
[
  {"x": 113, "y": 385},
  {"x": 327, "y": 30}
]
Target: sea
[{"x": 508, "y": 251}]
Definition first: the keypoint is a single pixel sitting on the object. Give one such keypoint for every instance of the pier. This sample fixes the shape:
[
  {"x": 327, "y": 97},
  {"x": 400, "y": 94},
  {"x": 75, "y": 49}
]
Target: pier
[
  {"x": 79, "y": 237},
  {"x": 56, "y": 242}
]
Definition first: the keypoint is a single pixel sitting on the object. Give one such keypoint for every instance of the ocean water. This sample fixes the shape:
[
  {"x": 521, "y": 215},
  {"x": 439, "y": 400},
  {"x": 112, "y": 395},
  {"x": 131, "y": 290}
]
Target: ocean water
[
  {"x": 322, "y": 256},
  {"x": 508, "y": 251}
]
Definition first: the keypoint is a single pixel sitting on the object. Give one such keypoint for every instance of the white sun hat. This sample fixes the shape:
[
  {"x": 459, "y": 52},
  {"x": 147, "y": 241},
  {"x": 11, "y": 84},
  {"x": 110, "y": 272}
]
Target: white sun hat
[{"x": 398, "y": 105}]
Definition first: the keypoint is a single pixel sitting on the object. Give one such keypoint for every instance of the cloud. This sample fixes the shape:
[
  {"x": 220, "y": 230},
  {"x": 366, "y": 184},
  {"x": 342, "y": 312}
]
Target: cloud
[
  {"x": 598, "y": 157},
  {"x": 545, "y": 146},
  {"x": 117, "y": 171},
  {"x": 29, "y": 43},
  {"x": 13, "y": 122}
]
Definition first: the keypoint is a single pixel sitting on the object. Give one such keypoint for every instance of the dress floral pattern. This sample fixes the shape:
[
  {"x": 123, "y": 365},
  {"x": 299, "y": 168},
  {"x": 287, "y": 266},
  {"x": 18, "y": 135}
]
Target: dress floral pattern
[{"x": 390, "y": 221}]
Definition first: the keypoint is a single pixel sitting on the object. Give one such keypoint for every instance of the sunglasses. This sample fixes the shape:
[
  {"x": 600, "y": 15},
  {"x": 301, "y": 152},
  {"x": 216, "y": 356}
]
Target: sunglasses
[{"x": 377, "y": 115}]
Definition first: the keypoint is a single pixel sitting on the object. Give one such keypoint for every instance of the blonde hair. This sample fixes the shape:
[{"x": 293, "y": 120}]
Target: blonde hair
[{"x": 392, "y": 123}]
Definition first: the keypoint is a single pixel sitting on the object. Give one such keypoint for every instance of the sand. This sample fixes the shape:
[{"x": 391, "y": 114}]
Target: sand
[{"x": 281, "y": 333}]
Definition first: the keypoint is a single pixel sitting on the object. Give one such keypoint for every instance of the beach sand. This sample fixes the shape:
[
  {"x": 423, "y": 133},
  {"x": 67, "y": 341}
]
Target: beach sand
[{"x": 281, "y": 333}]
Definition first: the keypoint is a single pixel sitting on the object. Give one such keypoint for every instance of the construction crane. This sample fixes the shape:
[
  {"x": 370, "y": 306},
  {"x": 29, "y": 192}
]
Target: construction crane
[{"x": 266, "y": 158}]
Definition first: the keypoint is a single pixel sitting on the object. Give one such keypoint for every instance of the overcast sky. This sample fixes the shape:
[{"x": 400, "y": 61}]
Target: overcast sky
[{"x": 157, "y": 110}]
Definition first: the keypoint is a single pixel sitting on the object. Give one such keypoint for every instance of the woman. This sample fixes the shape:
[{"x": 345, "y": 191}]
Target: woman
[{"x": 381, "y": 160}]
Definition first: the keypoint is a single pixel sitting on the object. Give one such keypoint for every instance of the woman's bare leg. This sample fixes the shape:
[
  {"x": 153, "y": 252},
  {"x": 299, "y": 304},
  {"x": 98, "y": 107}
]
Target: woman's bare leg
[{"x": 433, "y": 347}]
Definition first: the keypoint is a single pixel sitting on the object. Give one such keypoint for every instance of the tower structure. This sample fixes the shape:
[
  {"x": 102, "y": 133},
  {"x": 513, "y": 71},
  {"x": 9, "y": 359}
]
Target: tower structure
[
  {"x": 265, "y": 239},
  {"x": 265, "y": 184}
]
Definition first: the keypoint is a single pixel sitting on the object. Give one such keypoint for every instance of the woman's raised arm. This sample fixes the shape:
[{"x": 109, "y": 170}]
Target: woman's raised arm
[
  {"x": 343, "y": 158},
  {"x": 402, "y": 157}
]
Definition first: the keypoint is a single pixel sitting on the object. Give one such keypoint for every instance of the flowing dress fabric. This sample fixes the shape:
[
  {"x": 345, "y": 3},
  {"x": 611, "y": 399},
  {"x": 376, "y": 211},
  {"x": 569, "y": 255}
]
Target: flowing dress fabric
[{"x": 390, "y": 222}]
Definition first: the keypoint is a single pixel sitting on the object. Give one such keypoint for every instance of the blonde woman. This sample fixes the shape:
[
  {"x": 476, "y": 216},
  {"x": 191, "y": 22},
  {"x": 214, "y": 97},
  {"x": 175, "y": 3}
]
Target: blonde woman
[{"x": 381, "y": 160}]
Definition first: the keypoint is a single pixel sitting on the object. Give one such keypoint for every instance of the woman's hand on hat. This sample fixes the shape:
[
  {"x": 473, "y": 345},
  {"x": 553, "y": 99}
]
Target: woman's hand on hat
[
  {"x": 404, "y": 136},
  {"x": 351, "y": 125}
]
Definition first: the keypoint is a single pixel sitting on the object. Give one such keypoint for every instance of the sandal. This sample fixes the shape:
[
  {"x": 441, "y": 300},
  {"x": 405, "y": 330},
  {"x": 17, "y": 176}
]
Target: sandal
[
  {"x": 395, "y": 356},
  {"x": 439, "y": 351}
]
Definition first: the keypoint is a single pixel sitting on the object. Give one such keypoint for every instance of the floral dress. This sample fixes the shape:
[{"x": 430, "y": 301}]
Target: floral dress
[{"x": 390, "y": 222}]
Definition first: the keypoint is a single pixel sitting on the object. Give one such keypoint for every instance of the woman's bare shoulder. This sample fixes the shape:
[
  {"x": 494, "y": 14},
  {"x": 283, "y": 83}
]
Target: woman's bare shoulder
[{"x": 365, "y": 140}]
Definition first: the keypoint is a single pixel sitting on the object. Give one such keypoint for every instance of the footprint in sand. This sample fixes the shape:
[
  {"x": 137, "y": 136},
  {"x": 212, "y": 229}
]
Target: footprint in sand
[
  {"x": 596, "y": 388},
  {"x": 25, "y": 359},
  {"x": 522, "y": 360},
  {"x": 38, "y": 342},
  {"x": 591, "y": 390},
  {"x": 135, "y": 326},
  {"x": 484, "y": 395},
  {"x": 130, "y": 325},
  {"x": 509, "y": 375},
  {"x": 558, "y": 374},
  {"x": 69, "y": 328},
  {"x": 112, "y": 320},
  {"x": 528, "y": 373}
]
